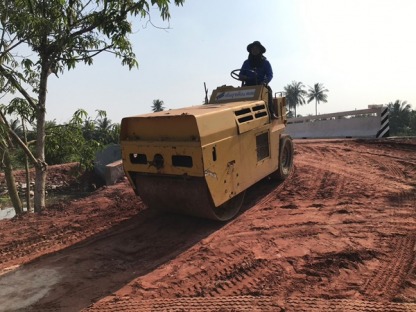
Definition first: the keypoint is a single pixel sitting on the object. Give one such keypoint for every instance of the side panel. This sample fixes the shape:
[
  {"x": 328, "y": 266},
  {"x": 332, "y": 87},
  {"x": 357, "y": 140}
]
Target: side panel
[
  {"x": 222, "y": 163},
  {"x": 234, "y": 164}
]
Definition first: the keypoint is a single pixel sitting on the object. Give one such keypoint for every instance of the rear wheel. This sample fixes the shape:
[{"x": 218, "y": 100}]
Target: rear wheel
[{"x": 285, "y": 158}]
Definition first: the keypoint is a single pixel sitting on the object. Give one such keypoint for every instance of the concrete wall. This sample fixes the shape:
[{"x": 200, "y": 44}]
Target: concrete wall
[
  {"x": 372, "y": 122},
  {"x": 110, "y": 154}
]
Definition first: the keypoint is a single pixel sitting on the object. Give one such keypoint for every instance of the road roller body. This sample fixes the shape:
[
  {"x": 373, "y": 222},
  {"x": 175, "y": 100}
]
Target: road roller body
[{"x": 200, "y": 160}]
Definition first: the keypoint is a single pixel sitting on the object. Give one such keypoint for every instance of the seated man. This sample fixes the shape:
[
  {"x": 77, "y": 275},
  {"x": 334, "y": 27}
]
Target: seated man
[{"x": 256, "y": 70}]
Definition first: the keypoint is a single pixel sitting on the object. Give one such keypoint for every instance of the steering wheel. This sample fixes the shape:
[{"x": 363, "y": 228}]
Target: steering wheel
[{"x": 236, "y": 74}]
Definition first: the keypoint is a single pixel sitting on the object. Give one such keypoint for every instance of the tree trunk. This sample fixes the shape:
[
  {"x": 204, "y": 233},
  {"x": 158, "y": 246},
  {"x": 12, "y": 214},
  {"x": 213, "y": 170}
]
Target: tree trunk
[
  {"x": 11, "y": 183},
  {"x": 40, "y": 169},
  {"x": 28, "y": 205}
]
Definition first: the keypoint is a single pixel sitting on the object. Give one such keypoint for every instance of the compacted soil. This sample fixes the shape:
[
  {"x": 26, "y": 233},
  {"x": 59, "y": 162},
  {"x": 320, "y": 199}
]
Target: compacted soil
[{"x": 338, "y": 235}]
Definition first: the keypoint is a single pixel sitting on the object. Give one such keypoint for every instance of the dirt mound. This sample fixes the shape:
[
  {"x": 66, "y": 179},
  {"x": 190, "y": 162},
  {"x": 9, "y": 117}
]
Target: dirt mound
[
  {"x": 338, "y": 235},
  {"x": 60, "y": 178}
]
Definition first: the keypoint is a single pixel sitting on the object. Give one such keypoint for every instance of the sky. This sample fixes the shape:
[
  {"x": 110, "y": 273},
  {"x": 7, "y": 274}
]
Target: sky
[{"x": 362, "y": 51}]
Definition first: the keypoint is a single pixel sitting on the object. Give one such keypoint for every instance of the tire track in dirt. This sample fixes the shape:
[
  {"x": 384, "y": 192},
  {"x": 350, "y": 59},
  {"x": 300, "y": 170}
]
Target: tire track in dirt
[
  {"x": 393, "y": 270},
  {"x": 128, "y": 250},
  {"x": 345, "y": 305},
  {"x": 234, "y": 279},
  {"x": 42, "y": 244},
  {"x": 330, "y": 186},
  {"x": 325, "y": 182},
  {"x": 349, "y": 165},
  {"x": 249, "y": 304},
  {"x": 236, "y": 274},
  {"x": 304, "y": 229},
  {"x": 239, "y": 272},
  {"x": 336, "y": 236},
  {"x": 385, "y": 165},
  {"x": 78, "y": 228},
  {"x": 313, "y": 184},
  {"x": 379, "y": 181},
  {"x": 200, "y": 304},
  {"x": 402, "y": 198}
]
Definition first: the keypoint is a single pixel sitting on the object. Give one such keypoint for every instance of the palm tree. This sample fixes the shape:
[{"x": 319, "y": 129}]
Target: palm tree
[
  {"x": 399, "y": 115},
  {"x": 103, "y": 128},
  {"x": 317, "y": 93},
  {"x": 295, "y": 95},
  {"x": 157, "y": 106}
]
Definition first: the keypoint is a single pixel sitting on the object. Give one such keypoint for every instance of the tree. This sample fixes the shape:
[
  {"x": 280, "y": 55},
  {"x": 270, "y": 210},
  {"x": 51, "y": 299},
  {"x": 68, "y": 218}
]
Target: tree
[
  {"x": 106, "y": 131},
  {"x": 9, "y": 134},
  {"x": 100, "y": 129},
  {"x": 400, "y": 116},
  {"x": 6, "y": 163},
  {"x": 157, "y": 106},
  {"x": 317, "y": 93},
  {"x": 295, "y": 95},
  {"x": 80, "y": 139},
  {"x": 412, "y": 123},
  {"x": 8, "y": 130},
  {"x": 61, "y": 34}
]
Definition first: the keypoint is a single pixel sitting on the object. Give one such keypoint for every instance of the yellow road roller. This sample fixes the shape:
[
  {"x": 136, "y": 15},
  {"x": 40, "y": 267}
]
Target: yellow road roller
[{"x": 199, "y": 160}]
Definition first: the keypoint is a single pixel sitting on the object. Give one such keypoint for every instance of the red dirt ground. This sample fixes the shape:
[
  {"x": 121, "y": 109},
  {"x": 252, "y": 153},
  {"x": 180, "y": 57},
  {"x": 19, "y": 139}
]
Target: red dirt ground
[{"x": 338, "y": 235}]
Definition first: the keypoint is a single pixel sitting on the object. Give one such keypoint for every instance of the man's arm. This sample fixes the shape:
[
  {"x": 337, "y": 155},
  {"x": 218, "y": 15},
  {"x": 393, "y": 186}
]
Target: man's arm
[
  {"x": 268, "y": 71},
  {"x": 244, "y": 70}
]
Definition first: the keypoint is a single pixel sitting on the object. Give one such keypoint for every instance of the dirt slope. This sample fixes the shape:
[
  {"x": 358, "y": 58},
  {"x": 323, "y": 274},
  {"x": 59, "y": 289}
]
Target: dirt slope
[{"x": 338, "y": 235}]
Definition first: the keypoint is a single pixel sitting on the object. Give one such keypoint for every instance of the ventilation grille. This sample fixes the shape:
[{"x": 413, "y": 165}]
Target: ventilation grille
[
  {"x": 262, "y": 146},
  {"x": 251, "y": 113}
]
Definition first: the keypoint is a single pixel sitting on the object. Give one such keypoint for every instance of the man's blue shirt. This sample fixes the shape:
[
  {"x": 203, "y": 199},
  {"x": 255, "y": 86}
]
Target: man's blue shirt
[{"x": 264, "y": 73}]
